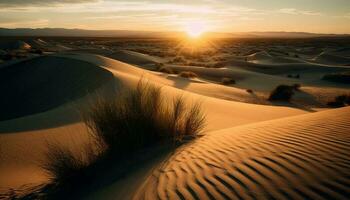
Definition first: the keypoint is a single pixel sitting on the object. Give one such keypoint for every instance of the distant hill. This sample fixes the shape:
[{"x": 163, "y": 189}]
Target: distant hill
[{"x": 61, "y": 32}]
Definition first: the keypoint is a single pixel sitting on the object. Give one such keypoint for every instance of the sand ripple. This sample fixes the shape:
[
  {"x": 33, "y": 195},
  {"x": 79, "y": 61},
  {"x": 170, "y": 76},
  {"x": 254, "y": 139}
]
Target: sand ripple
[{"x": 302, "y": 157}]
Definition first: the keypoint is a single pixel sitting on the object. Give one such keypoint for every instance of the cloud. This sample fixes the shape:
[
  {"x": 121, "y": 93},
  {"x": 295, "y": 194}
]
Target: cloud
[
  {"x": 41, "y": 3},
  {"x": 24, "y": 23},
  {"x": 293, "y": 11}
]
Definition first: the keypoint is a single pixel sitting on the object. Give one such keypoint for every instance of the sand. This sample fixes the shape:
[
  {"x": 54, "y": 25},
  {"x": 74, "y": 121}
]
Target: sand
[
  {"x": 293, "y": 158},
  {"x": 248, "y": 151}
]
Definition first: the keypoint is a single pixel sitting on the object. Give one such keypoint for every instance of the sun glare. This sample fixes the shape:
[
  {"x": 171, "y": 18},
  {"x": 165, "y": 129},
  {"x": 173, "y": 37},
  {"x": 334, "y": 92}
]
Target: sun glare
[{"x": 195, "y": 29}]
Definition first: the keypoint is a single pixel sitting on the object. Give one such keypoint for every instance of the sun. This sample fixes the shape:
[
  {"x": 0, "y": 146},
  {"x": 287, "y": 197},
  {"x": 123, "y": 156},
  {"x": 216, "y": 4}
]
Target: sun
[{"x": 195, "y": 29}]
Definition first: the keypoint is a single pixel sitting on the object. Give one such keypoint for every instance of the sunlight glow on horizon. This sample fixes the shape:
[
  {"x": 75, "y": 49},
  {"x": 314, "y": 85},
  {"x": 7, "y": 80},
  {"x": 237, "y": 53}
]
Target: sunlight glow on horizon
[
  {"x": 195, "y": 29},
  {"x": 328, "y": 16}
]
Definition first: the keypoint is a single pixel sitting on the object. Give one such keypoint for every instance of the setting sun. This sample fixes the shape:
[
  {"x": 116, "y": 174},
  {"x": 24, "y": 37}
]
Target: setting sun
[{"x": 195, "y": 29}]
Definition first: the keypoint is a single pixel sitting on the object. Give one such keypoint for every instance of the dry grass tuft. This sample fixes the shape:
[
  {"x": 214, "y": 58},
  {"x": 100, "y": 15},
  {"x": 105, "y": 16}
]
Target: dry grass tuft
[
  {"x": 118, "y": 128},
  {"x": 188, "y": 74},
  {"x": 228, "y": 81}
]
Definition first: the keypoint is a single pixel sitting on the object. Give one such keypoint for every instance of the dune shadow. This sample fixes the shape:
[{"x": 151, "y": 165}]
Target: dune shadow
[
  {"x": 182, "y": 83},
  {"x": 44, "y": 83}
]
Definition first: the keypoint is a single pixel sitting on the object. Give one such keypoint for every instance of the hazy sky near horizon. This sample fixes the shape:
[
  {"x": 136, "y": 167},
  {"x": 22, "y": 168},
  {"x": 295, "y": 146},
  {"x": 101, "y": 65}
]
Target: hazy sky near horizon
[{"x": 319, "y": 16}]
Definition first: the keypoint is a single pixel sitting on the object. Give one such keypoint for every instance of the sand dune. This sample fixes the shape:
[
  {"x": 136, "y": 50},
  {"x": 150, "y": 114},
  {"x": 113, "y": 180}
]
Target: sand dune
[
  {"x": 248, "y": 151},
  {"x": 14, "y": 45},
  {"x": 327, "y": 58},
  {"x": 43, "y": 83},
  {"x": 293, "y": 158},
  {"x": 46, "y": 46},
  {"x": 135, "y": 58},
  {"x": 51, "y": 86}
]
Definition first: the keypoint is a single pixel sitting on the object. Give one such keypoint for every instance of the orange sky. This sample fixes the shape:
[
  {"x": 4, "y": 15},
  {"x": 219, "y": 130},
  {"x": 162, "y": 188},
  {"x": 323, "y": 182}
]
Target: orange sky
[{"x": 325, "y": 16}]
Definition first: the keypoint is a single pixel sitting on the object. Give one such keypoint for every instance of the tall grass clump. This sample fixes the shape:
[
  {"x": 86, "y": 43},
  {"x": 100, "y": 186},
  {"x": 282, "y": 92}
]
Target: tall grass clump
[
  {"x": 139, "y": 118},
  {"x": 119, "y": 128},
  {"x": 68, "y": 169}
]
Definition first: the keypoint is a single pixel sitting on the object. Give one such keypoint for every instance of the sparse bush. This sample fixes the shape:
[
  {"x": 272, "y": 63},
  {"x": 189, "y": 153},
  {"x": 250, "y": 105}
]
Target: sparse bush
[
  {"x": 67, "y": 170},
  {"x": 141, "y": 118},
  {"x": 118, "y": 128},
  {"x": 296, "y": 86},
  {"x": 340, "y": 101},
  {"x": 228, "y": 81},
  {"x": 166, "y": 70},
  {"x": 282, "y": 93},
  {"x": 338, "y": 77},
  {"x": 290, "y": 76},
  {"x": 188, "y": 74},
  {"x": 158, "y": 66},
  {"x": 297, "y": 76},
  {"x": 37, "y": 51},
  {"x": 250, "y": 91},
  {"x": 178, "y": 59},
  {"x": 8, "y": 56}
]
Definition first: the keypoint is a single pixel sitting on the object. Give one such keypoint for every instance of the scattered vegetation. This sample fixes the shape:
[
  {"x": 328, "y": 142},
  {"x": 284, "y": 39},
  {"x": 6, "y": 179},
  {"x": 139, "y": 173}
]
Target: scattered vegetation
[
  {"x": 250, "y": 91},
  {"x": 118, "y": 128},
  {"x": 296, "y": 86},
  {"x": 37, "y": 51},
  {"x": 338, "y": 77},
  {"x": 340, "y": 101},
  {"x": 166, "y": 70},
  {"x": 8, "y": 56},
  {"x": 282, "y": 93},
  {"x": 296, "y": 76},
  {"x": 188, "y": 74},
  {"x": 228, "y": 81}
]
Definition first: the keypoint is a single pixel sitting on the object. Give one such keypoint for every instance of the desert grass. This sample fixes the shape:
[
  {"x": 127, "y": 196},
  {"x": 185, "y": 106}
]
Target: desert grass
[
  {"x": 250, "y": 91},
  {"x": 188, "y": 74},
  {"x": 282, "y": 93},
  {"x": 228, "y": 81},
  {"x": 343, "y": 77},
  {"x": 166, "y": 70},
  {"x": 118, "y": 128},
  {"x": 340, "y": 101}
]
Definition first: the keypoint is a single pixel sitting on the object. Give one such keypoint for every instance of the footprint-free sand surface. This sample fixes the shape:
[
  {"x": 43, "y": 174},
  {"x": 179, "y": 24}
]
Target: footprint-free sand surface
[
  {"x": 302, "y": 157},
  {"x": 247, "y": 151}
]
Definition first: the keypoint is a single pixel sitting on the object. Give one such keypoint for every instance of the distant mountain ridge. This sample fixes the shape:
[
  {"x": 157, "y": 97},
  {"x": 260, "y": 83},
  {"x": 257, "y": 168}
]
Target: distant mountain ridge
[{"x": 62, "y": 32}]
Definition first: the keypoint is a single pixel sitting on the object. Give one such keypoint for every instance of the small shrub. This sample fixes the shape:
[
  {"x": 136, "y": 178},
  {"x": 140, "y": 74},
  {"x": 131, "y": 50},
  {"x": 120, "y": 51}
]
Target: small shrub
[
  {"x": 228, "y": 81},
  {"x": 340, "y": 101},
  {"x": 166, "y": 70},
  {"x": 296, "y": 86},
  {"x": 8, "y": 56},
  {"x": 158, "y": 65},
  {"x": 297, "y": 76},
  {"x": 338, "y": 77},
  {"x": 67, "y": 170},
  {"x": 178, "y": 60},
  {"x": 290, "y": 76},
  {"x": 37, "y": 51},
  {"x": 119, "y": 128},
  {"x": 188, "y": 74},
  {"x": 282, "y": 93},
  {"x": 250, "y": 91}
]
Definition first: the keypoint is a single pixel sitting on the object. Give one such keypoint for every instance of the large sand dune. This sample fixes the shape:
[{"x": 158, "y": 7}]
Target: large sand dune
[
  {"x": 248, "y": 151},
  {"x": 300, "y": 157},
  {"x": 42, "y": 83}
]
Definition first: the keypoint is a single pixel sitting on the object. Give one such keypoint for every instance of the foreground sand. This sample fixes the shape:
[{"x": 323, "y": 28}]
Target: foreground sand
[
  {"x": 302, "y": 157},
  {"x": 248, "y": 151}
]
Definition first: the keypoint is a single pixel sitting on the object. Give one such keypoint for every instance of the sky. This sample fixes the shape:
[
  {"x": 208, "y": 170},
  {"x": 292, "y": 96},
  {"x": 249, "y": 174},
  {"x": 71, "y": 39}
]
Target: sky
[{"x": 317, "y": 16}]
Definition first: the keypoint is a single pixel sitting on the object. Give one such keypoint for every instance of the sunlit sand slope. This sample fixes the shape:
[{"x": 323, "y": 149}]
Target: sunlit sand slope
[{"x": 302, "y": 157}]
